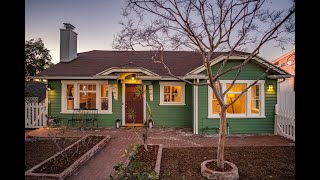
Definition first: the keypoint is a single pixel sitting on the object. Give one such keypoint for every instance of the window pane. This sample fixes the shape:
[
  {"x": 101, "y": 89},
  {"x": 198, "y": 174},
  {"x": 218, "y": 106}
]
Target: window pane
[
  {"x": 83, "y": 87},
  {"x": 215, "y": 106},
  {"x": 239, "y": 107},
  {"x": 92, "y": 87},
  {"x": 104, "y": 97},
  {"x": 237, "y": 87},
  {"x": 104, "y": 90},
  {"x": 87, "y": 100},
  {"x": 166, "y": 89},
  {"x": 172, "y": 93},
  {"x": 104, "y": 103},
  {"x": 176, "y": 93},
  {"x": 215, "y": 102},
  {"x": 255, "y": 99},
  {"x": 70, "y": 98}
]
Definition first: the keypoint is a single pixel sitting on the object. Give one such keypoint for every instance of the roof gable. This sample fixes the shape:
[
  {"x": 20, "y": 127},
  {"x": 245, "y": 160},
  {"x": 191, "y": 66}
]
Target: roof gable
[{"x": 261, "y": 62}]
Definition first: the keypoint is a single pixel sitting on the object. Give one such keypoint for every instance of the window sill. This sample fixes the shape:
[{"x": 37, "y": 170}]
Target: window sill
[
  {"x": 161, "y": 104},
  {"x": 66, "y": 112},
  {"x": 99, "y": 112},
  {"x": 238, "y": 117}
]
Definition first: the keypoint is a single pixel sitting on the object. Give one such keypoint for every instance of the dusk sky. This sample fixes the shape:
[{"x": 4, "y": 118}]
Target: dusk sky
[{"x": 96, "y": 23}]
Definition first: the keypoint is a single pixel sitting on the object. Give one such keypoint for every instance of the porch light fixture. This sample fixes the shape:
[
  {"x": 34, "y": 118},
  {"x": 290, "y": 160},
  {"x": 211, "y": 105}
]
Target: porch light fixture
[
  {"x": 49, "y": 87},
  {"x": 270, "y": 87},
  {"x": 133, "y": 77}
]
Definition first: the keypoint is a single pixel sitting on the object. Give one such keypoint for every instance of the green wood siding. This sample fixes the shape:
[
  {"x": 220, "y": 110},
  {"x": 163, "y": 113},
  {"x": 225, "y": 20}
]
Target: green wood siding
[
  {"x": 103, "y": 119},
  {"x": 171, "y": 116},
  {"x": 239, "y": 125}
]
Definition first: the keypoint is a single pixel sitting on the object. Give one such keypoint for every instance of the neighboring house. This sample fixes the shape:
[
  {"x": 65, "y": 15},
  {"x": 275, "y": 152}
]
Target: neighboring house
[
  {"x": 106, "y": 80},
  {"x": 287, "y": 63},
  {"x": 35, "y": 89}
]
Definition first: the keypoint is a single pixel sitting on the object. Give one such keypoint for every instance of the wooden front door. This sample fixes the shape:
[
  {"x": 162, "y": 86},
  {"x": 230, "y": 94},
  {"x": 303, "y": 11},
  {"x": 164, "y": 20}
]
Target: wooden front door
[{"x": 133, "y": 103}]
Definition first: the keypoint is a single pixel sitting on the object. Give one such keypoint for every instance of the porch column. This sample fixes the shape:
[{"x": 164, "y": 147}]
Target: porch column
[{"x": 195, "y": 108}]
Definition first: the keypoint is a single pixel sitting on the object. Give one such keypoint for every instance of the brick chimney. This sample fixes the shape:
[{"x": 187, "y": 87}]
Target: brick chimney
[{"x": 68, "y": 43}]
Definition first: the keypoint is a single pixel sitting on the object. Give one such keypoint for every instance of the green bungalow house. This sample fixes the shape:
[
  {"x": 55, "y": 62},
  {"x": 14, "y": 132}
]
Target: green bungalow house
[{"x": 106, "y": 80}]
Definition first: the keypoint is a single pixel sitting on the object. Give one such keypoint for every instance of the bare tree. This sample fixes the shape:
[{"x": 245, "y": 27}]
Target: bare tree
[{"x": 205, "y": 26}]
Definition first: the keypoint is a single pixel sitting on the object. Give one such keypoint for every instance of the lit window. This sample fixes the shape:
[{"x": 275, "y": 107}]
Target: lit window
[
  {"x": 255, "y": 99},
  {"x": 172, "y": 93},
  {"x": 70, "y": 97},
  {"x": 239, "y": 107},
  {"x": 250, "y": 103},
  {"x": 215, "y": 103},
  {"x": 104, "y": 96},
  {"x": 87, "y": 96}
]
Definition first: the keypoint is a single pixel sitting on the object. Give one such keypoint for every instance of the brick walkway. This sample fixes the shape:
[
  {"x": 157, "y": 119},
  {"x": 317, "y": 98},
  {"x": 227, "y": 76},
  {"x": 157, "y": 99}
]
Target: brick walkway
[{"x": 100, "y": 166}]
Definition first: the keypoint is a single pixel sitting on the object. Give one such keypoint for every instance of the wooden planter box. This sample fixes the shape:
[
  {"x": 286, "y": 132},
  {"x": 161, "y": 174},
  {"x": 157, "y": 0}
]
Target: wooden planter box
[{"x": 73, "y": 167}]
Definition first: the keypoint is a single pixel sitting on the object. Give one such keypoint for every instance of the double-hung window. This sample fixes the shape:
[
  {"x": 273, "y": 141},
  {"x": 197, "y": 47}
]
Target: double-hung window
[
  {"x": 249, "y": 104},
  {"x": 86, "y": 95}
]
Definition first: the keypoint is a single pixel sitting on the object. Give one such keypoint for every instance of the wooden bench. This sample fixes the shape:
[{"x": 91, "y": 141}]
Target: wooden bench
[{"x": 84, "y": 116}]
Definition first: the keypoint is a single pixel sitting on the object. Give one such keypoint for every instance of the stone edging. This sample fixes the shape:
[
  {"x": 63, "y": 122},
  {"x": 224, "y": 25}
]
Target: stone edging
[
  {"x": 227, "y": 175},
  {"x": 73, "y": 167}
]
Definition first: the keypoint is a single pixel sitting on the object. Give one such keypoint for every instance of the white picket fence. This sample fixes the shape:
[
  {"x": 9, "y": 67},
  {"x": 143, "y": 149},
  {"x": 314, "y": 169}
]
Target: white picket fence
[
  {"x": 285, "y": 115},
  {"x": 35, "y": 115}
]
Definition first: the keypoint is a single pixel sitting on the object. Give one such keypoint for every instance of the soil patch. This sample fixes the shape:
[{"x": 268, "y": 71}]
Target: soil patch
[
  {"x": 213, "y": 166},
  {"x": 149, "y": 157},
  {"x": 58, "y": 164},
  {"x": 259, "y": 162},
  {"x": 40, "y": 149}
]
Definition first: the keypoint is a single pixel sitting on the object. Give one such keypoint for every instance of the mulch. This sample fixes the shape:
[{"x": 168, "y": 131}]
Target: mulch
[
  {"x": 58, "y": 164},
  {"x": 259, "y": 162},
  {"x": 40, "y": 149},
  {"x": 149, "y": 157}
]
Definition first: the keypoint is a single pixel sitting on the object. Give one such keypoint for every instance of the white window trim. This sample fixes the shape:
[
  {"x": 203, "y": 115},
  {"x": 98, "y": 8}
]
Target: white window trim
[
  {"x": 248, "y": 100},
  {"x": 76, "y": 85},
  {"x": 183, "y": 94}
]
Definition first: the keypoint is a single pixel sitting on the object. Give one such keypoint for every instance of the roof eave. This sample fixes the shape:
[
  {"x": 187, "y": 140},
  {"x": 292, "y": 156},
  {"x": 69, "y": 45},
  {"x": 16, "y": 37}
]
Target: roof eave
[{"x": 281, "y": 76}]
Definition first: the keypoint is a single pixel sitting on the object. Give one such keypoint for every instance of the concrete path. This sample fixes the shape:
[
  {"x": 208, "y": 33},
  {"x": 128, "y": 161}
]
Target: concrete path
[{"x": 101, "y": 165}]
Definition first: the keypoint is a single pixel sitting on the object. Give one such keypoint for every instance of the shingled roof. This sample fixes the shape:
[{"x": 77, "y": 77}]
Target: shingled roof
[
  {"x": 90, "y": 63},
  {"x": 35, "y": 89}
]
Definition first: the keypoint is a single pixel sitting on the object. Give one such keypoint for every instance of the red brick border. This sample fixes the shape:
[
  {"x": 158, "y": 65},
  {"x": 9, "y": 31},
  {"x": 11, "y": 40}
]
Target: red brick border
[{"x": 73, "y": 167}]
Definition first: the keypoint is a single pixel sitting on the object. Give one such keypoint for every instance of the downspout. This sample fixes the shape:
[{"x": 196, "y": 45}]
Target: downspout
[
  {"x": 47, "y": 106},
  {"x": 278, "y": 93}
]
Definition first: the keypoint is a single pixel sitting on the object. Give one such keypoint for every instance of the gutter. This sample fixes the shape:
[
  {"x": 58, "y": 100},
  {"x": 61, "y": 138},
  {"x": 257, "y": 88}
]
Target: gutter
[{"x": 280, "y": 76}]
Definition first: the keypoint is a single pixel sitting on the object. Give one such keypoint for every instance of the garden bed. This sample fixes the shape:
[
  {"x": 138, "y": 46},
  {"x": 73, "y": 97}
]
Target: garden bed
[
  {"x": 40, "y": 149},
  {"x": 264, "y": 162},
  {"x": 141, "y": 164},
  {"x": 67, "y": 161}
]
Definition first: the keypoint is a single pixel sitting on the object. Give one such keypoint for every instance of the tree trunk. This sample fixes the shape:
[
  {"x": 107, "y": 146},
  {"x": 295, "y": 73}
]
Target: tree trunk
[
  {"x": 145, "y": 137},
  {"x": 222, "y": 133}
]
